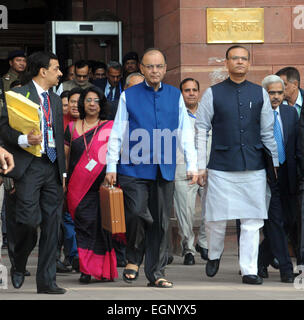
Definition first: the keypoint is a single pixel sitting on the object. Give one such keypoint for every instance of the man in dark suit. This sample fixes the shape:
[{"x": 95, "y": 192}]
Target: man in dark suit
[
  {"x": 38, "y": 180},
  {"x": 294, "y": 95},
  {"x": 282, "y": 207},
  {"x": 112, "y": 85}
]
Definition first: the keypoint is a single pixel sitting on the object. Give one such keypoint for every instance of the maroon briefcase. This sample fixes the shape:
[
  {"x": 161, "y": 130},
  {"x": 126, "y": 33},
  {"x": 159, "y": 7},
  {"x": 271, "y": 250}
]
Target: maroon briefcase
[{"x": 112, "y": 209}]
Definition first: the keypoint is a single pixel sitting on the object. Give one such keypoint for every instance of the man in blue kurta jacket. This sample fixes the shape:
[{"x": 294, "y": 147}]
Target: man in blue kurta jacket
[{"x": 148, "y": 117}]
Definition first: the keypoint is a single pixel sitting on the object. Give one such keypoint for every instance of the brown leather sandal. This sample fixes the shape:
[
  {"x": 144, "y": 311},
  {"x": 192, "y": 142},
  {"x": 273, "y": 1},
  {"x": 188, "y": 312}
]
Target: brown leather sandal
[{"x": 161, "y": 283}]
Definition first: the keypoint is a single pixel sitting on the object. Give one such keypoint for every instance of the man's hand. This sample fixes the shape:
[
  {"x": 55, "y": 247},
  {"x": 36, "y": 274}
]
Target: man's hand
[
  {"x": 34, "y": 139},
  {"x": 202, "y": 177},
  {"x": 110, "y": 178},
  {"x": 192, "y": 176},
  {"x": 6, "y": 161},
  {"x": 276, "y": 171}
]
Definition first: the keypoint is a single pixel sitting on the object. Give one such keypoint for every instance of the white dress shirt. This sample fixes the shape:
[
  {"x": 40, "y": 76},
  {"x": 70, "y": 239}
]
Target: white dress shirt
[
  {"x": 298, "y": 104},
  {"x": 22, "y": 139},
  {"x": 107, "y": 90}
]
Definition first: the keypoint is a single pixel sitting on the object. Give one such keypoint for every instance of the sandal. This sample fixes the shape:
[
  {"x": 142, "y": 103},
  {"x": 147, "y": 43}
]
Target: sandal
[
  {"x": 130, "y": 272},
  {"x": 161, "y": 283}
]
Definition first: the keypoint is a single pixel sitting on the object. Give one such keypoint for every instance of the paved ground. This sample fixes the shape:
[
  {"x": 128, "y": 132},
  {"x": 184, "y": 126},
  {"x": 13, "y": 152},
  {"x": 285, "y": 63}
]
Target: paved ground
[{"x": 190, "y": 283}]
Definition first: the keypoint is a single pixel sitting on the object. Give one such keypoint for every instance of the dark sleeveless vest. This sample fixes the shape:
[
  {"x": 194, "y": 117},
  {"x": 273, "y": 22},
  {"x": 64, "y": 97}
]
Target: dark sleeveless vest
[{"x": 236, "y": 138}]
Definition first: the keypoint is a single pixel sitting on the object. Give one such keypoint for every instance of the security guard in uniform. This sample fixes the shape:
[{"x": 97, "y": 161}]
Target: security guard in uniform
[{"x": 17, "y": 62}]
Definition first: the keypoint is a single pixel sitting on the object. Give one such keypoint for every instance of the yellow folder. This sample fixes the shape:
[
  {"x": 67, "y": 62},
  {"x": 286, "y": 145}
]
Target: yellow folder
[{"x": 24, "y": 115}]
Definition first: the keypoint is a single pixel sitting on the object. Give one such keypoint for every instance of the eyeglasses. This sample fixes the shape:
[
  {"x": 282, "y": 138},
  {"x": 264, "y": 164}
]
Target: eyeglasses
[
  {"x": 152, "y": 66},
  {"x": 96, "y": 100},
  {"x": 235, "y": 58},
  {"x": 272, "y": 93},
  {"x": 81, "y": 76}
]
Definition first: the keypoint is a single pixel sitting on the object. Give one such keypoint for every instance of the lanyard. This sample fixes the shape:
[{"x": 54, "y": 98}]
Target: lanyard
[
  {"x": 47, "y": 115},
  {"x": 85, "y": 139}
]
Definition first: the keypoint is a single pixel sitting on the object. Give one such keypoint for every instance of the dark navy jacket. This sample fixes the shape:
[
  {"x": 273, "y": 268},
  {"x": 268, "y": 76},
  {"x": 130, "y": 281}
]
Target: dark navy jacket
[
  {"x": 236, "y": 140},
  {"x": 289, "y": 117}
]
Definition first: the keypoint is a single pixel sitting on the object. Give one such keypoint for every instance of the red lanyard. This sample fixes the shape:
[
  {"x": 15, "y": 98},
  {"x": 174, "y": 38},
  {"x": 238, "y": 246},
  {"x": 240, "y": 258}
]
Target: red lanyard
[
  {"x": 47, "y": 116},
  {"x": 85, "y": 139}
]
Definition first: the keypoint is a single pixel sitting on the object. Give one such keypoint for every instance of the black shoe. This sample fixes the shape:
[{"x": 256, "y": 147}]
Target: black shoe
[
  {"x": 85, "y": 278},
  {"x": 252, "y": 279},
  {"x": 275, "y": 263},
  {"x": 263, "y": 272},
  {"x": 189, "y": 259},
  {"x": 27, "y": 273},
  {"x": 170, "y": 259},
  {"x": 287, "y": 277},
  {"x": 51, "y": 290},
  {"x": 121, "y": 263},
  {"x": 212, "y": 267},
  {"x": 66, "y": 262},
  {"x": 75, "y": 264},
  {"x": 61, "y": 268},
  {"x": 4, "y": 242},
  {"x": 17, "y": 278},
  {"x": 202, "y": 251}
]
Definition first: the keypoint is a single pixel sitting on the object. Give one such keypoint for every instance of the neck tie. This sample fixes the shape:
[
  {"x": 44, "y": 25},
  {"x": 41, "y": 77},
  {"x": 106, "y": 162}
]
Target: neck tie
[
  {"x": 110, "y": 94},
  {"x": 279, "y": 138},
  {"x": 298, "y": 108},
  {"x": 51, "y": 152}
]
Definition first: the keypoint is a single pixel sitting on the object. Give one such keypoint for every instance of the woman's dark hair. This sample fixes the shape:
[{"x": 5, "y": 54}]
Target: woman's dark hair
[
  {"x": 65, "y": 94},
  {"x": 103, "y": 103}
]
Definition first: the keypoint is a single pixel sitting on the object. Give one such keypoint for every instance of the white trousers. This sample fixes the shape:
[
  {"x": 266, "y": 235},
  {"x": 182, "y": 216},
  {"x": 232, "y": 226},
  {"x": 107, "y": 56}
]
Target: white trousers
[
  {"x": 184, "y": 203},
  {"x": 249, "y": 242}
]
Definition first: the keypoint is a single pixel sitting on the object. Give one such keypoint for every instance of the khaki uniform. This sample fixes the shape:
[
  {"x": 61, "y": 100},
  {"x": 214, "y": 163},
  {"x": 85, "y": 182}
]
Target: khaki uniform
[
  {"x": 9, "y": 78},
  {"x": 71, "y": 84}
]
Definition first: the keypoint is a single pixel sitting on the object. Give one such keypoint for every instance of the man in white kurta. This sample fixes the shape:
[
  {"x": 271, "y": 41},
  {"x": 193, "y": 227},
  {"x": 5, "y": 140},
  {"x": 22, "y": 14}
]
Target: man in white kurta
[
  {"x": 239, "y": 113},
  {"x": 185, "y": 194}
]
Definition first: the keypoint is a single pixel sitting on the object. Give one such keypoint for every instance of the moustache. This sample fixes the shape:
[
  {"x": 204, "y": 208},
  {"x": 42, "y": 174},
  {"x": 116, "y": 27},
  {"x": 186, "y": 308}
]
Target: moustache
[{"x": 275, "y": 100}]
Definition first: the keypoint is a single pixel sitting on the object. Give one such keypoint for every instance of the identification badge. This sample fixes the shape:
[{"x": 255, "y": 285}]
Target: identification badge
[
  {"x": 51, "y": 141},
  {"x": 91, "y": 165}
]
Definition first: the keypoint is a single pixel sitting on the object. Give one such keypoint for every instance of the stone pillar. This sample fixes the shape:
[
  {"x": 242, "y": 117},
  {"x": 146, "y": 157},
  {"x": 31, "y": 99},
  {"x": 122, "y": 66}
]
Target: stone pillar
[{"x": 180, "y": 31}]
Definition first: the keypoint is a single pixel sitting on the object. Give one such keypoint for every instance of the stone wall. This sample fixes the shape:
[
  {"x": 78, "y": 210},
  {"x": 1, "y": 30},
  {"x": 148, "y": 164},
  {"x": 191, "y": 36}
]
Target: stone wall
[{"x": 180, "y": 30}]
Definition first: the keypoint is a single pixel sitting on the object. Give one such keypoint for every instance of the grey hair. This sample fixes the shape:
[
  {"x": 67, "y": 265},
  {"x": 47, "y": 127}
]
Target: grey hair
[
  {"x": 134, "y": 74},
  {"x": 115, "y": 65},
  {"x": 272, "y": 79}
]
